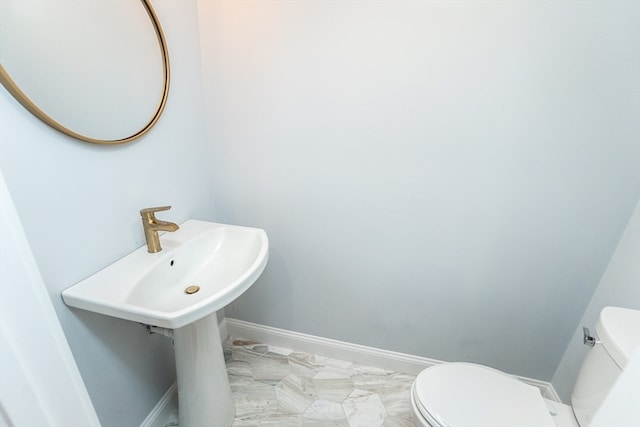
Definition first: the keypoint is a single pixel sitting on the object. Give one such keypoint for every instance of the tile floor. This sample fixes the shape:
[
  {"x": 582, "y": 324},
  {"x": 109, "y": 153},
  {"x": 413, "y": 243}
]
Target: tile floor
[{"x": 282, "y": 388}]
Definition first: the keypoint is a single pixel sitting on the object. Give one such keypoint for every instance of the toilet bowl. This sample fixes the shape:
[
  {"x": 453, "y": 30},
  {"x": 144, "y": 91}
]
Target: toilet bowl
[
  {"x": 471, "y": 395},
  {"x": 466, "y": 394}
]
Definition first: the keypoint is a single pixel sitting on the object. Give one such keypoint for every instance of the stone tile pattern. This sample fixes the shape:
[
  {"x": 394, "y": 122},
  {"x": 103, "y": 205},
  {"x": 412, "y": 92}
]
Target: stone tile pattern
[
  {"x": 282, "y": 388},
  {"x": 279, "y": 387}
]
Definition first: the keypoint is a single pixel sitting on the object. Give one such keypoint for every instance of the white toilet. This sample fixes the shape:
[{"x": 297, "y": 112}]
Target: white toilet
[{"x": 470, "y": 395}]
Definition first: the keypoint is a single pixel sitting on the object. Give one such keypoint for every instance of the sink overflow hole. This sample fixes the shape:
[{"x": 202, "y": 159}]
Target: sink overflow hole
[
  {"x": 171, "y": 263},
  {"x": 192, "y": 289}
]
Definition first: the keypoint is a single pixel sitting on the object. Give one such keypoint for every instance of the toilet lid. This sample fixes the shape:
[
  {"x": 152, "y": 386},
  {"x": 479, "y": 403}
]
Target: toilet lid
[{"x": 466, "y": 394}]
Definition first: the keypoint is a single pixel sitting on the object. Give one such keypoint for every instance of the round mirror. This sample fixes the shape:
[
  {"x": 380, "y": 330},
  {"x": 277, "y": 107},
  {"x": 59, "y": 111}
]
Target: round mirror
[{"x": 94, "y": 70}]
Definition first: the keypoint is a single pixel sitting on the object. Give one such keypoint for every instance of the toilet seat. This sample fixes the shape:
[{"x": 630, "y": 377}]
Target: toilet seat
[{"x": 466, "y": 394}]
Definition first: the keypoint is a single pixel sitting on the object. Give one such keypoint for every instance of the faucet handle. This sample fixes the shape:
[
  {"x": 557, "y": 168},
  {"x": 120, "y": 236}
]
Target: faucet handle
[{"x": 149, "y": 212}]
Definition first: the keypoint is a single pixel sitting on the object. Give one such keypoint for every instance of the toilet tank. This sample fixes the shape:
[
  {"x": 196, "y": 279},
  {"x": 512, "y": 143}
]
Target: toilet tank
[{"x": 618, "y": 332}]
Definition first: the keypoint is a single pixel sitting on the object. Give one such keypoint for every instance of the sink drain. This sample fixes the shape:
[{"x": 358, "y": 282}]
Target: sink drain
[{"x": 192, "y": 289}]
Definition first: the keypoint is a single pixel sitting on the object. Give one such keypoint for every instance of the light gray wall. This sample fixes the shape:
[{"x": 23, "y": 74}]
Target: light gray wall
[
  {"x": 446, "y": 179},
  {"x": 79, "y": 206},
  {"x": 619, "y": 287}
]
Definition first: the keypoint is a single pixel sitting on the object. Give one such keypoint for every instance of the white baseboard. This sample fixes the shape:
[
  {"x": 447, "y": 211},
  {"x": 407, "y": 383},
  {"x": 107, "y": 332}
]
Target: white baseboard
[
  {"x": 341, "y": 350},
  {"x": 385, "y": 359},
  {"x": 163, "y": 409}
]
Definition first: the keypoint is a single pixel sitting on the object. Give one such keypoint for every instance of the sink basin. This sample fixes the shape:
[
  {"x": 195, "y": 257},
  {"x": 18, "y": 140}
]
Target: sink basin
[{"x": 222, "y": 260}]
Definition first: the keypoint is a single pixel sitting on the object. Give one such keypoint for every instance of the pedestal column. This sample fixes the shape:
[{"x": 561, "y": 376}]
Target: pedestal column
[{"x": 204, "y": 394}]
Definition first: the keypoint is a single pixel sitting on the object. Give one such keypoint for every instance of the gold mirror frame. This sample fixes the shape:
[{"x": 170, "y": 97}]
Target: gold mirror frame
[{"x": 23, "y": 99}]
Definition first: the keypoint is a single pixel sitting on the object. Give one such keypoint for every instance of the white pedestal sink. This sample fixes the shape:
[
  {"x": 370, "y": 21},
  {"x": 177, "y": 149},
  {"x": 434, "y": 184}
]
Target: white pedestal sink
[{"x": 221, "y": 262}]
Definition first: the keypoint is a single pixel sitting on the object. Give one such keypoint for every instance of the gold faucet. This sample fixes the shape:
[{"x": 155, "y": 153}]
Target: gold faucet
[{"x": 152, "y": 225}]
